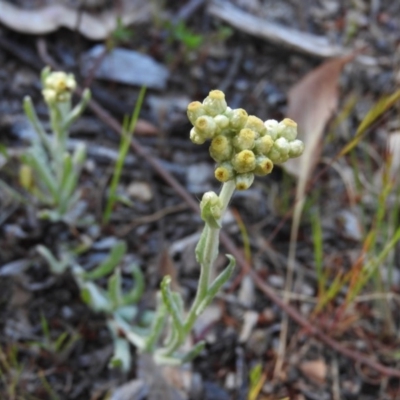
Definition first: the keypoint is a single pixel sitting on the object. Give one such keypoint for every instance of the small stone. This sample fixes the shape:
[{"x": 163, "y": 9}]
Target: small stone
[{"x": 140, "y": 191}]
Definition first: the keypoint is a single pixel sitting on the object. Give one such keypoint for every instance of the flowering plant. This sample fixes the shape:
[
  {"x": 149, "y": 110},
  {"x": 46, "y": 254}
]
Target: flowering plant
[
  {"x": 242, "y": 146},
  {"x": 50, "y": 171}
]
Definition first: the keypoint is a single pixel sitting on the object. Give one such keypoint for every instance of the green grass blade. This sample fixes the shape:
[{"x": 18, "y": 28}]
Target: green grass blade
[{"x": 126, "y": 138}]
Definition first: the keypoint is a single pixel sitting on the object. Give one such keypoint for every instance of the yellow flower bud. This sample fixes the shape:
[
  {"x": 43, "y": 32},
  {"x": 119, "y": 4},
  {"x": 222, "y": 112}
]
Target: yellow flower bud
[
  {"x": 245, "y": 139},
  {"x": 206, "y": 126},
  {"x": 264, "y": 166},
  {"x": 244, "y": 181},
  {"x": 221, "y": 148},
  {"x": 215, "y": 103},
  {"x": 245, "y": 161},
  {"x": 224, "y": 172},
  {"x": 256, "y": 124},
  {"x": 195, "y": 110}
]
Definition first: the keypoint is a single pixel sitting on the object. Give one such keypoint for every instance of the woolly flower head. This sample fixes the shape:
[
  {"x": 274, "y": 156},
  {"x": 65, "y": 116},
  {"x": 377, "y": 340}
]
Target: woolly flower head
[
  {"x": 57, "y": 86},
  {"x": 242, "y": 145}
]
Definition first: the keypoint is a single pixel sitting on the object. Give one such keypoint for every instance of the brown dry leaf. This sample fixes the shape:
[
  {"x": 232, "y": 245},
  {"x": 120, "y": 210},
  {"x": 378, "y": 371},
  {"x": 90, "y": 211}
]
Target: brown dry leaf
[
  {"x": 312, "y": 102},
  {"x": 55, "y": 16},
  {"x": 315, "y": 370}
]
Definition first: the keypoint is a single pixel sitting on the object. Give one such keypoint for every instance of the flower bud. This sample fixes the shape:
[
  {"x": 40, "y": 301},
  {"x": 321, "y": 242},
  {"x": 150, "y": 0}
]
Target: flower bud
[
  {"x": 238, "y": 118},
  {"x": 264, "y": 166},
  {"x": 228, "y": 113},
  {"x": 224, "y": 172},
  {"x": 195, "y": 110},
  {"x": 49, "y": 95},
  {"x": 274, "y": 155},
  {"x": 215, "y": 103},
  {"x": 222, "y": 121},
  {"x": 245, "y": 139},
  {"x": 245, "y": 161},
  {"x": 263, "y": 145},
  {"x": 57, "y": 86},
  {"x": 272, "y": 128},
  {"x": 244, "y": 181},
  {"x": 196, "y": 137},
  {"x": 287, "y": 128},
  {"x": 280, "y": 151},
  {"x": 256, "y": 124},
  {"x": 206, "y": 126},
  {"x": 296, "y": 148},
  {"x": 210, "y": 198},
  {"x": 282, "y": 145},
  {"x": 211, "y": 209},
  {"x": 221, "y": 148}
]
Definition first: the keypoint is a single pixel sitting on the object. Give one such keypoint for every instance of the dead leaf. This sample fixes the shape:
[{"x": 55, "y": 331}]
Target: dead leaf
[
  {"x": 312, "y": 102},
  {"x": 315, "y": 370},
  {"x": 54, "y": 16}
]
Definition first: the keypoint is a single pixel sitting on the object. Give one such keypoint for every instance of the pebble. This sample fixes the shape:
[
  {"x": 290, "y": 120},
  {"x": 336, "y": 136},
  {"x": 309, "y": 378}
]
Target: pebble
[{"x": 126, "y": 66}]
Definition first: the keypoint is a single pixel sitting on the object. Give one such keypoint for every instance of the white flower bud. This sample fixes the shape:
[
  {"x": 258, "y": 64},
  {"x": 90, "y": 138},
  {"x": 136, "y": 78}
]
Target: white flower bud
[
  {"x": 272, "y": 128},
  {"x": 211, "y": 207},
  {"x": 296, "y": 148},
  {"x": 287, "y": 128},
  {"x": 222, "y": 121},
  {"x": 282, "y": 145},
  {"x": 196, "y": 137}
]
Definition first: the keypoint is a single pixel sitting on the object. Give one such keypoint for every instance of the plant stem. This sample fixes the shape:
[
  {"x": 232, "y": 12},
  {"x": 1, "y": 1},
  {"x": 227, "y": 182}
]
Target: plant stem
[{"x": 210, "y": 254}]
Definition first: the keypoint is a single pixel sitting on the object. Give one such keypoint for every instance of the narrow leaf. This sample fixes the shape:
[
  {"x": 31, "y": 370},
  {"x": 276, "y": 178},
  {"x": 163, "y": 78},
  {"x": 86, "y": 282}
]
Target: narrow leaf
[
  {"x": 220, "y": 280},
  {"x": 108, "y": 265}
]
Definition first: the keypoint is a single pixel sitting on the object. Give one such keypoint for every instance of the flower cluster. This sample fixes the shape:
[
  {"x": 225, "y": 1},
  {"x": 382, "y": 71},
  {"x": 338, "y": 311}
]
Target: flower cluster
[
  {"x": 241, "y": 144},
  {"x": 58, "y": 87}
]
